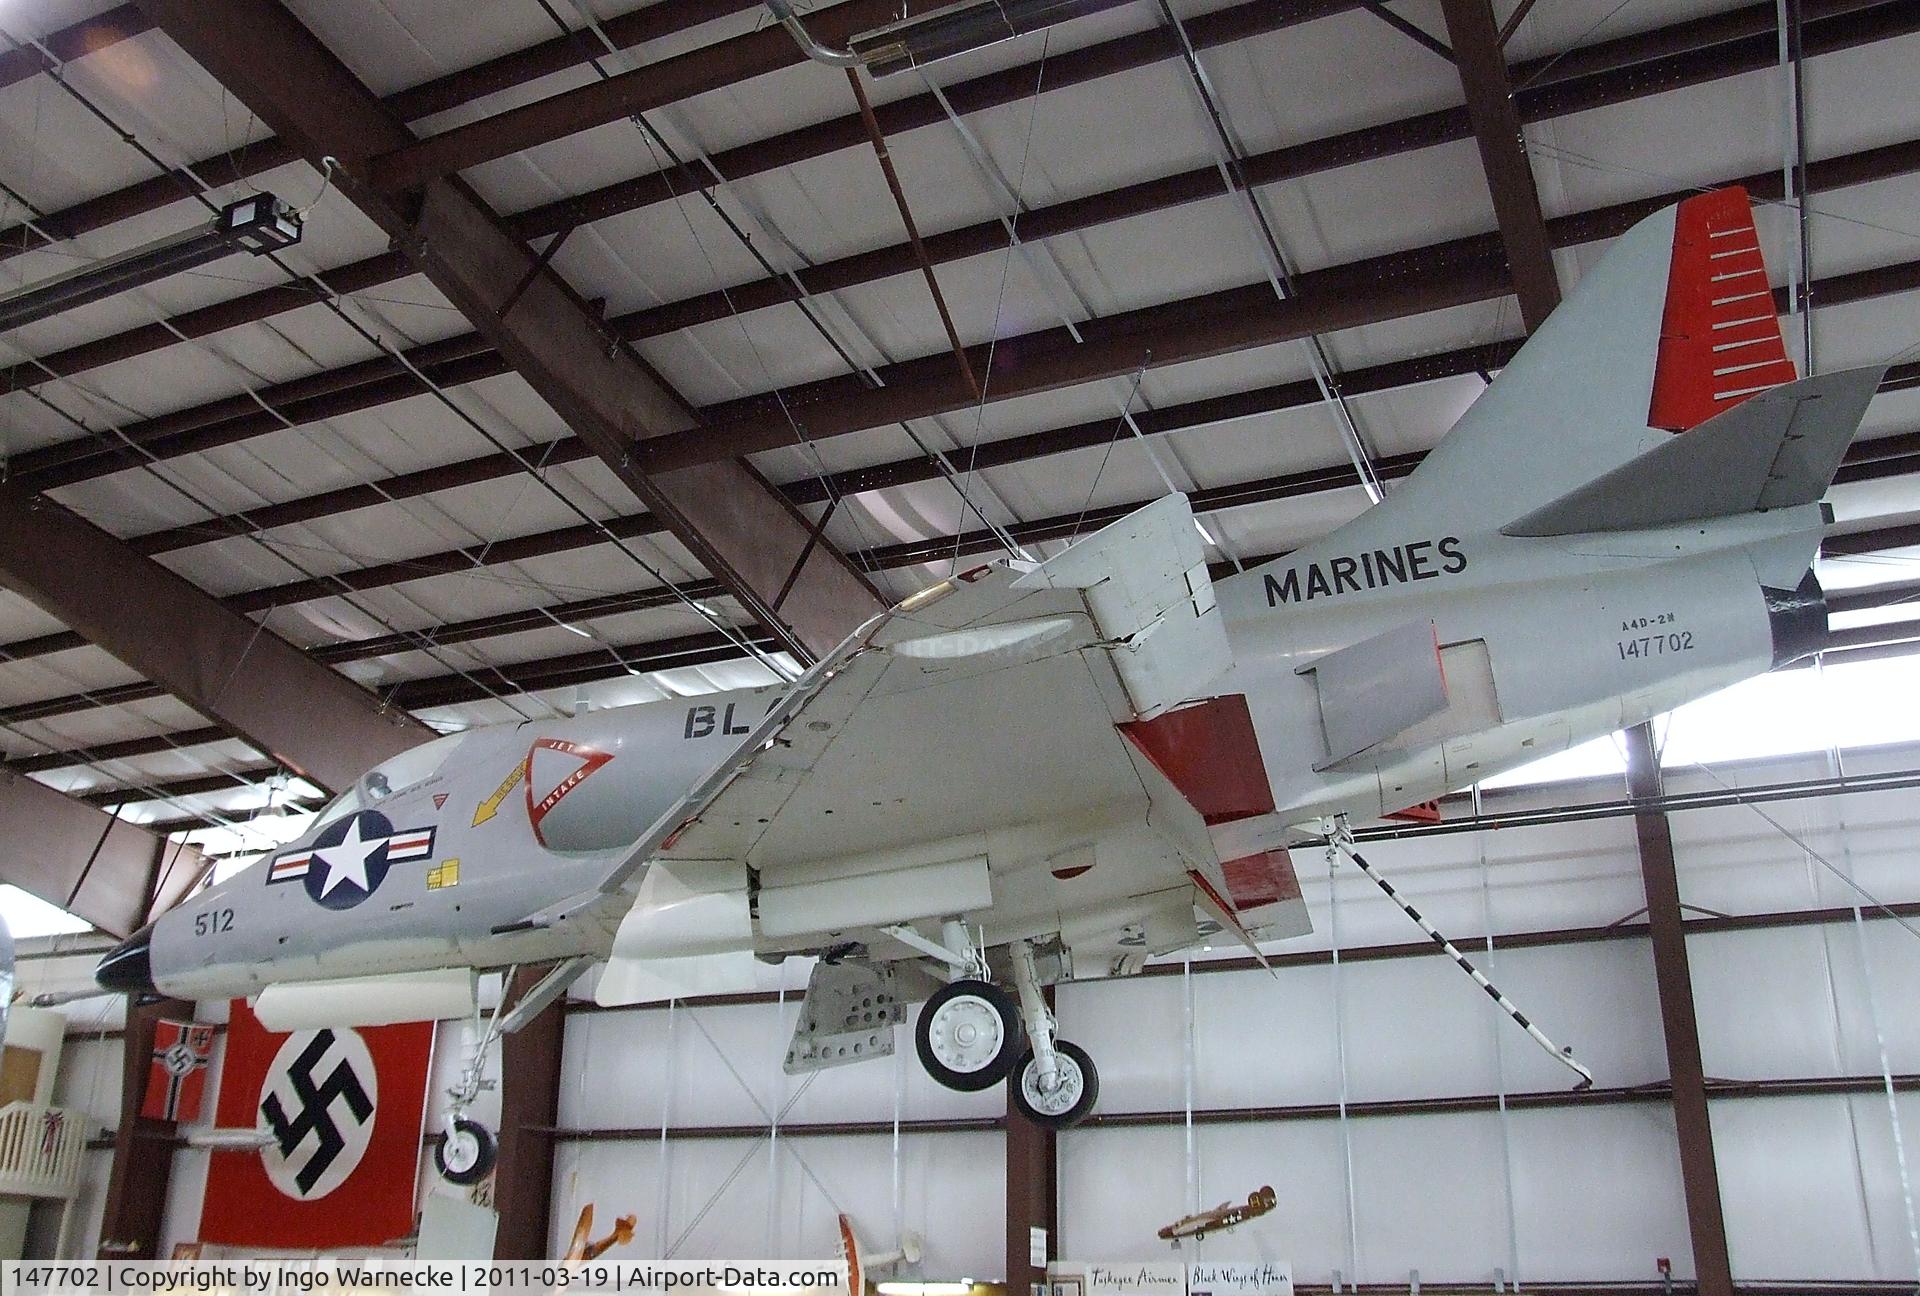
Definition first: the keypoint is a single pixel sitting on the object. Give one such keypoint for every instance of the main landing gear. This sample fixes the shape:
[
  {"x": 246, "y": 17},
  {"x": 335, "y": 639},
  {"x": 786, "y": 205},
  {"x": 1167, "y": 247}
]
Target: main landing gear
[{"x": 972, "y": 1035}]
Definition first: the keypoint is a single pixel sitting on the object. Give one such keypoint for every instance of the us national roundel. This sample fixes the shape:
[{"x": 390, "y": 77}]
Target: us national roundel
[
  {"x": 350, "y": 858},
  {"x": 344, "y": 1110}
]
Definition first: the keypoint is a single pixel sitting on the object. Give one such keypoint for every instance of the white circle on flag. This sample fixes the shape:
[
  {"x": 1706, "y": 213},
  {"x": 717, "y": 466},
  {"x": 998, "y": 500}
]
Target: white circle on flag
[{"x": 318, "y": 1101}]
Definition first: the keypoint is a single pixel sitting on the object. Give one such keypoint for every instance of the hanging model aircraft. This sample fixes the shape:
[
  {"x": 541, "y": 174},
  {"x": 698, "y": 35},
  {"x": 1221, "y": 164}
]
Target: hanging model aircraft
[
  {"x": 1221, "y": 1218},
  {"x": 1037, "y": 771}
]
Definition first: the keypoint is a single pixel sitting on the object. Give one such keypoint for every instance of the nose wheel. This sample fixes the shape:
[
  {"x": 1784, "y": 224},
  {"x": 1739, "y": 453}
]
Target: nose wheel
[
  {"x": 1076, "y": 1087},
  {"x": 465, "y": 1154},
  {"x": 969, "y": 1035}
]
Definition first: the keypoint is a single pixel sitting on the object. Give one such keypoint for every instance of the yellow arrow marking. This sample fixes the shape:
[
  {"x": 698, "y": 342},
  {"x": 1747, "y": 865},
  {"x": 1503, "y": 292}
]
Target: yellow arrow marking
[{"x": 491, "y": 806}]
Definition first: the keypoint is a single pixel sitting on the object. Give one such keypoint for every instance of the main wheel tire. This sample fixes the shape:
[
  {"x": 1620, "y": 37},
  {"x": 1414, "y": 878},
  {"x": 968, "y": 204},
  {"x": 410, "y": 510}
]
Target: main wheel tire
[
  {"x": 464, "y": 1156},
  {"x": 1071, "y": 1100},
  {"x": 969, "y": 1035}
]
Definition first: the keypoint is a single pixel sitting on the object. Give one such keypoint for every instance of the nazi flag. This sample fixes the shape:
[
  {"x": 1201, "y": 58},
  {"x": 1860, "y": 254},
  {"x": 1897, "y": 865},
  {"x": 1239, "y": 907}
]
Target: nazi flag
[
  {"x": 344, "y": 1110},
  {"x": 177, "y": 1075}
]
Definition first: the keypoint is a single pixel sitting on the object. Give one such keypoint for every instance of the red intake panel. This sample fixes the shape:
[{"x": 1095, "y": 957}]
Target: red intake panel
[{"x": 1719, "y": 336}]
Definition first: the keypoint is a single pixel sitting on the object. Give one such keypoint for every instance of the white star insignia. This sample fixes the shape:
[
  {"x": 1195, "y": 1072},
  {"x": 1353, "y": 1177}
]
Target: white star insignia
[{"x": 347, "y": 861}]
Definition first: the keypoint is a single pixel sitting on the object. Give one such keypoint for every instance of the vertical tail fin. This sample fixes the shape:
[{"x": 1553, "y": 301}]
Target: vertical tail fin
[
  {"x": 1720, "y": 340},
  {"x": 1674, "y": 326}
]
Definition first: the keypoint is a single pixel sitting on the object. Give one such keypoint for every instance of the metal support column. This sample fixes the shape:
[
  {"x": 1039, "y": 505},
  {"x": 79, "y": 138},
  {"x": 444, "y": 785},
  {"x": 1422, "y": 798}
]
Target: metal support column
[
  {"x": 1033, "y": 1193},
  {"x": 529, "y": 1110},
  {"x": 142, "y": 1148},
  {"x": 1699, "y": 1175}
]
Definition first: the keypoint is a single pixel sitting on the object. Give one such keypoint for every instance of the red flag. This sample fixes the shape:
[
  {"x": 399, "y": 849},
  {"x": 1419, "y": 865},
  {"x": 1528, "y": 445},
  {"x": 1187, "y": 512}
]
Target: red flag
[
  {"x": 177, "y": 1078},
  {"x": 345, "y": 1108}
]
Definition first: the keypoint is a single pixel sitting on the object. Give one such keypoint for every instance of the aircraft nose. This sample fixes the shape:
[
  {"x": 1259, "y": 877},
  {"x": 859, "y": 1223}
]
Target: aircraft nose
[{"x": 128, "y": 966}]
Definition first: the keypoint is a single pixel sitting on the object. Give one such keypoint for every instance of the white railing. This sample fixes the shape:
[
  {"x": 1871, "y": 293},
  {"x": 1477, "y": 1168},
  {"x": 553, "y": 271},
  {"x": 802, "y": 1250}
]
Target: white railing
[{"x": 40, "y": 1150}]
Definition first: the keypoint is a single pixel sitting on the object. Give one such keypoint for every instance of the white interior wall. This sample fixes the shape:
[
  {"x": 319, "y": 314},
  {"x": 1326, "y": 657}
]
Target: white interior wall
[{"x": 1811, "y": 1185}]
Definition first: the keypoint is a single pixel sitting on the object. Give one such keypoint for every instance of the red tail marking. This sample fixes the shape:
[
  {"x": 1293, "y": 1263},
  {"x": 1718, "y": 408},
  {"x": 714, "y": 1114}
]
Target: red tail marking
[{"x": 1720, "y": 335}]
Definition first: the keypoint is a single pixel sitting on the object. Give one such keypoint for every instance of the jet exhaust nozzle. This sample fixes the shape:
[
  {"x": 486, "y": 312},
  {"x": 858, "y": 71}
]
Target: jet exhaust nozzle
[
  {"x": 127, "y": 968},
  {"x": 1797, "y": 619}
]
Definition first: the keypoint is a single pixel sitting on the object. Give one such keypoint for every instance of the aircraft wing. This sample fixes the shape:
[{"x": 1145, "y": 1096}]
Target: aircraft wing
[{"x": 968, "y": 752}]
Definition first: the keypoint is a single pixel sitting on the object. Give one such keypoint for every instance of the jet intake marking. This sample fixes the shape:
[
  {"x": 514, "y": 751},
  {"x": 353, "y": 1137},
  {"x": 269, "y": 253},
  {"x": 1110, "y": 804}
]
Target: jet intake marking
[
  {"x": 349, "y": 859},
  {"x": 1370, "y": 569},
  {"x": 539, "y": 769},
  {"x": 491, "y": 806}
]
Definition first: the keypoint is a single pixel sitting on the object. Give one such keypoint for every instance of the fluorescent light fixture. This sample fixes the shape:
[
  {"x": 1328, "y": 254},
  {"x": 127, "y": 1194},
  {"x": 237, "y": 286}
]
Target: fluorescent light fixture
[
  {"x": 963, "y": 1288},
  {"x": 938, "y": 34},
  {"x": 571, "y": 628},
  {"x": 258, "y": 223}
]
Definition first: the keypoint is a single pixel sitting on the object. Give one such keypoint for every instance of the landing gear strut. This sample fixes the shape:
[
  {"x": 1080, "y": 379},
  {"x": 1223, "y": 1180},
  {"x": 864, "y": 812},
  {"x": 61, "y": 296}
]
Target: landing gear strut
[
  {"x": 1056, "y": 1084},
  {"x": 467, "y": 1149},
  {"x": 972, "y": 1034}
]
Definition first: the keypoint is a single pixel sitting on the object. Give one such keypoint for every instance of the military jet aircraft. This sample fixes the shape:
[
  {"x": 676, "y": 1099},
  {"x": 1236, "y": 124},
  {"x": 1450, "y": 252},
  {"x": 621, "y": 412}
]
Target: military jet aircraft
[{"x": 1030, "y": 772}]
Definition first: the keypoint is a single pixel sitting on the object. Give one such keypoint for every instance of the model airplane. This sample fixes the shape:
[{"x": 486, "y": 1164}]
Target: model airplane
[
  {"x": 1221, "y": 1217},
  {"x": 860, "y": 1262},
  {"x": 1033, "y": 772},
  {"x": 584, "y": 1247}
]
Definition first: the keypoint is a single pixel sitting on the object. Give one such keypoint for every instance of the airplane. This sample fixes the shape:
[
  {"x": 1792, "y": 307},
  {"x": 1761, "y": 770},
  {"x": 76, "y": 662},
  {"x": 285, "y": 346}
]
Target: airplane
[
  {"x": 1031, "y": 772},
  {"x": 1221, "y": 1218}
]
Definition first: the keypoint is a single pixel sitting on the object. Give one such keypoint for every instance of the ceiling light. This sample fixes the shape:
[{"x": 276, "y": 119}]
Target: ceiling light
[{"x": 258, "y": 223}]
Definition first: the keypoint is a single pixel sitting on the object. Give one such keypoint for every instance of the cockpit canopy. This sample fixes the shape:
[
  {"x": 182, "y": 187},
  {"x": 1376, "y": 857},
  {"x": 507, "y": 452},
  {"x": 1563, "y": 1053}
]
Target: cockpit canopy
[{"x": 393, "y": 776}]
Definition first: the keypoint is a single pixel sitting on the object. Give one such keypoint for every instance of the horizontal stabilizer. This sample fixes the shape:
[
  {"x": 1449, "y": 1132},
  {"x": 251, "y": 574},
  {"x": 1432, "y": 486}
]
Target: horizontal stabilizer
[{"x": 1775, "y": 450}]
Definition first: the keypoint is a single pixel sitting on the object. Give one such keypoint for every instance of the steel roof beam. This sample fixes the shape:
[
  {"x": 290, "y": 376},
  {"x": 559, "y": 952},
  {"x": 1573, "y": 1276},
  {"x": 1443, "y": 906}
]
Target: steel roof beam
[
  {"x": 741, "y": 530},
  {"x": 1850, "y": 169},
  {"x": 1863, "y": 460},
  {"x": 465, "y": 359},
  {"x": 73, "y": 855},
  {"x": 1503, "y": 156},
  {"x": 228, "y": 668},
  {"x": 77, "y": 40},
  {"x": 480, "y": 682},
  {"x": 453, "y": 90},
  {"x": 819, "y": 139},
  {"x": 123, "y": 750},
  {"x": 767, "y": 50},
  {"x": 1681, "y": 54}
]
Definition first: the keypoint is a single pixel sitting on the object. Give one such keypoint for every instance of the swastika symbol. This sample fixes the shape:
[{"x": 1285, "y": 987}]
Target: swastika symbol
[{"x": 315, "y": 1114}]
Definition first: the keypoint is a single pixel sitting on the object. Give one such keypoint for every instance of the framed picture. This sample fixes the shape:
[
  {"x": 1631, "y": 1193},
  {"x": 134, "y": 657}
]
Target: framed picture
[{"x": 1069, "y": 1285}]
